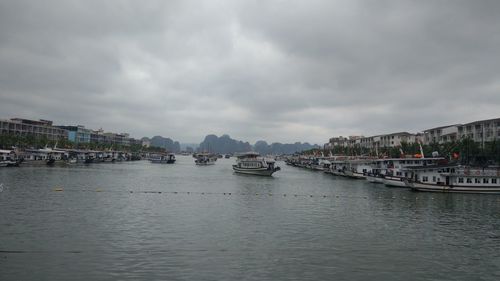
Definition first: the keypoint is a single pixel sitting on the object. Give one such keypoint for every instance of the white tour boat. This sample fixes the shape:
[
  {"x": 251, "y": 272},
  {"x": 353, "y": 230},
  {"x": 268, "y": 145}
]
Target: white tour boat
[
  {"x": 461, "y": 179},
  {"x": 252, "y": 163},
  {"x": 393, "y": 171},
  {"x": 8, "y": 158}
]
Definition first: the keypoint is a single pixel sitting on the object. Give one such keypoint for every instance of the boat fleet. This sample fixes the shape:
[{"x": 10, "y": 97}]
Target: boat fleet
[
  {"x": 59, "y": 156},
  {"x": 249, "y": 163},
  {"x": 420, "y": 173}
]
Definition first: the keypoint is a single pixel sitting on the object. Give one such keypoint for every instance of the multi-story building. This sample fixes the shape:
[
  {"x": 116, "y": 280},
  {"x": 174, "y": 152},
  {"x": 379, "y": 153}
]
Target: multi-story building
[
  {"x": 118, "y": 139},
  {"x": 379, "y": 141},
  {"x": 38, "y": 129},
  {"x": 336, "y": 142},
  {"x": 481, "y": 131},
  {"x": 77, "y": 134},
  {"x": 441, "y": 134},
  {"x": 97, "y": 136},
  {"x": 396, "y": 139}
]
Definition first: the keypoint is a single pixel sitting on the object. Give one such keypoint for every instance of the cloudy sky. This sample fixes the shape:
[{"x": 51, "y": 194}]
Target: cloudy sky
[{"x": 276, "y": 70}]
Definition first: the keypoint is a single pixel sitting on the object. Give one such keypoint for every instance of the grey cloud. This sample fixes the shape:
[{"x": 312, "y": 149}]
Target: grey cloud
[{"x": 275, "y": 70}]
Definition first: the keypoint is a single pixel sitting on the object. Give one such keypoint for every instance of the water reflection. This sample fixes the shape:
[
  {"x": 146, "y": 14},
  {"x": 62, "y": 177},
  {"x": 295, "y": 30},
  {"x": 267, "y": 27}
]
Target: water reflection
[{"x": 236, "y": 227}]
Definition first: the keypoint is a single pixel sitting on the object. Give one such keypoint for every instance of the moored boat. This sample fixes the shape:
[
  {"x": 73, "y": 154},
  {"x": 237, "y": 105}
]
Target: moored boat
[
  {"x": 393, "y": 171},
  {"x": 251, "y": 163},
  {"x": 8, "y": 158},
  {"x": 457, "y": 179}
]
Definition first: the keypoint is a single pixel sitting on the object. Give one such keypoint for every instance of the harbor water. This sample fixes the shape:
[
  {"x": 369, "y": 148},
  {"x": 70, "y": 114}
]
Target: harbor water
[{"x": 143, "y": 221}]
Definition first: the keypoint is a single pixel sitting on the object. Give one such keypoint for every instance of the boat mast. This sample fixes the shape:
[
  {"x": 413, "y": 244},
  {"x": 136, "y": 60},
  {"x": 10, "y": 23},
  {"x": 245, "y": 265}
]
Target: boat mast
[{"x": 421, "y": 150}]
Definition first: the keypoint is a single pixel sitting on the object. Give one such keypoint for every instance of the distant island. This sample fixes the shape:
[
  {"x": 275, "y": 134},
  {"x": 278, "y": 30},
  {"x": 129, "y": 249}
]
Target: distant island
[
  {"x": 225, "y": 145},
  {"x": 161, "y": 142}
]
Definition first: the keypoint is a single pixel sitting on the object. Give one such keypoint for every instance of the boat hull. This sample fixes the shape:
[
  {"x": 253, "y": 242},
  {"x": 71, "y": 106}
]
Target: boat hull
[
  {"x": 256, "y": 171},
  {"x": 204, "y": 163},
  {"x": 374, "y": 179},
  {"x": 394, "y": 182},
  {"x": 354, "y": 175},
  {"x": 416, "y": 186},
  {"x": 172, "y": 161}
]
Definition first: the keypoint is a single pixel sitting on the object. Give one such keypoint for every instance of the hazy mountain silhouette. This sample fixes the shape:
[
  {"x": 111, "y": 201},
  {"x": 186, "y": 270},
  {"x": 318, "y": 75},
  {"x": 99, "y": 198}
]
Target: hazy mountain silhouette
[
  {"x": 167, "y": 143},
  {"x": 264, "y": 148},
  {"x": 225, "y": 144}
]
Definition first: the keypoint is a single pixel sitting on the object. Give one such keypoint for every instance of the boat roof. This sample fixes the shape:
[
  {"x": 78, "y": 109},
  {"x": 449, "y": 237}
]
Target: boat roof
[
  {"x": 409, "y": 158},
  {"x": 6, "y": 151},
  {"x": 248, "y": 154},
  {"x": 431, "y": 167}
]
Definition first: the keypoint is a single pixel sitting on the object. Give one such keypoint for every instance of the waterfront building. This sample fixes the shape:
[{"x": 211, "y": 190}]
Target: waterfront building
[
  {"x": 26, "y": 127},
  {"x": 481, "y": 131},
  {"x": 97, "y": 136},
  {"x": 373, "y": 142},
  {"x": 396, "y": 139},
  {"x": 336, "y": 142},
  {"x": 117, "y": 139},
  {"x": 441, "y": 134},
  {"x": 77, "y": 134}
]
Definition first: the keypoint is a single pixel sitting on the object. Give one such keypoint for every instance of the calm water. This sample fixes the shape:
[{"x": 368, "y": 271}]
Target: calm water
[{"x": 111, "y": 223}]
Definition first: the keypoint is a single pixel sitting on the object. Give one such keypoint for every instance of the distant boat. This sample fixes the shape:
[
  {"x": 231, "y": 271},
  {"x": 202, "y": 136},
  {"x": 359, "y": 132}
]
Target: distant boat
[
  {"x": 163, "y": 159},
  {"x": 251, "y": 163},
  {"x": 204, "y": 159},
  {"x": 227, "y": 156}
]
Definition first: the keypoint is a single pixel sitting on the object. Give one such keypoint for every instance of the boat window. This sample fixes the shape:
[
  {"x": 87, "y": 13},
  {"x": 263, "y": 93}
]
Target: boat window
[
  {"x": 493, "y": 180},
  {"x": 469, "y": 180},
  {"x": 476, "y": 180},
  {"x": 425, "y": 179},
  {"x": 398, "y": 173},
  {"x": 460, "y": 180},
  {"x": 486, "y": 181}
]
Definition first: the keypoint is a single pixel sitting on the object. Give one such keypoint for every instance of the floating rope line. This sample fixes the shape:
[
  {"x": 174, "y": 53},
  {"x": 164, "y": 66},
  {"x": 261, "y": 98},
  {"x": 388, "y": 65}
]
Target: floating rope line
[{"x": 60, "y": 189}]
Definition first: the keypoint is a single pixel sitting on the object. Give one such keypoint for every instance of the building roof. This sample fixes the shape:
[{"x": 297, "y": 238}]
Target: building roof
[
  {"x": 481, "y": 121},
  {"x": 442, "y": 127}
]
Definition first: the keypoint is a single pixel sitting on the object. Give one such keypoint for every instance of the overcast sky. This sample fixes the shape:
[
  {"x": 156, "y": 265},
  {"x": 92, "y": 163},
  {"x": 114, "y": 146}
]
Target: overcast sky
[{"x": 276, "y": 70}]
